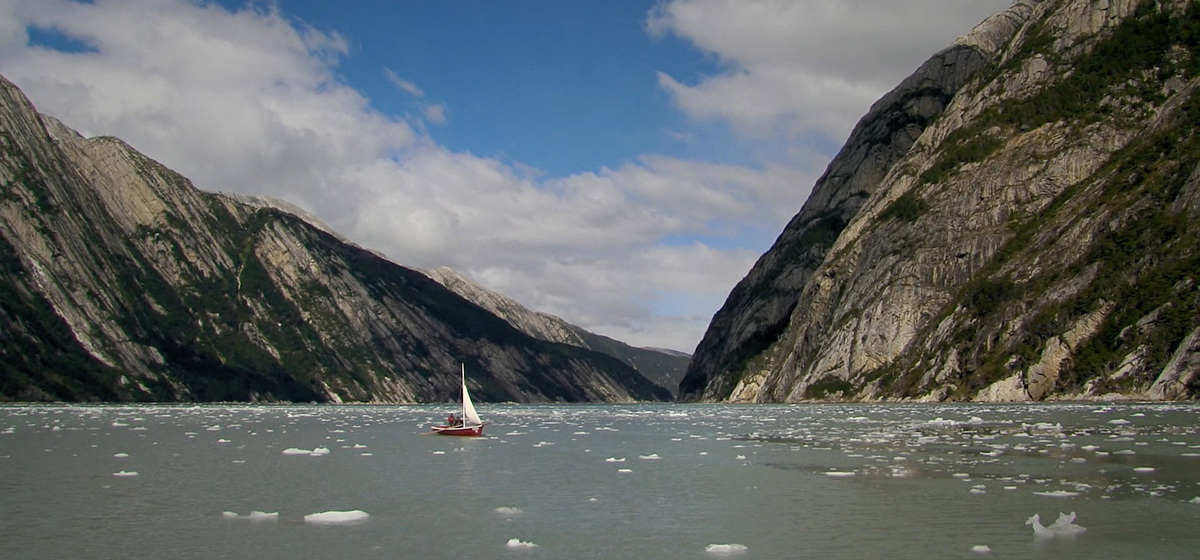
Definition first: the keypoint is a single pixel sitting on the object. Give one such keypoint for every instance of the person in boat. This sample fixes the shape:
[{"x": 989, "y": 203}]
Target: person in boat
[{"x": 452, "y": 420}]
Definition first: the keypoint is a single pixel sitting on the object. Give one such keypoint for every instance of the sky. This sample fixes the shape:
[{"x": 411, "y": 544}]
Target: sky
[{"x": 621, "y": 163}]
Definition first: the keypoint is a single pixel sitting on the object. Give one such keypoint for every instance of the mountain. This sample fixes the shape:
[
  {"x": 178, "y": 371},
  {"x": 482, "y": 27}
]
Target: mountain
[
  {"x": 119, "y": 281},
  {"x": 664, "y": 367},
  {"x": 1018, "y": 220}
]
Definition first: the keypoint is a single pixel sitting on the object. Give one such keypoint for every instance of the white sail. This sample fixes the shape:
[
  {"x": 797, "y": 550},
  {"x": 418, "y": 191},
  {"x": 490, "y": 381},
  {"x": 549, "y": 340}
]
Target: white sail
[{"x": 470, "y": 417}]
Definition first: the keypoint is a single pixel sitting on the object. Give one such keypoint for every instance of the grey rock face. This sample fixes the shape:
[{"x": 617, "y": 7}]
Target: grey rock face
[
  {"x": 986, "y": 232},
  {"x": 120, "y": 281}
]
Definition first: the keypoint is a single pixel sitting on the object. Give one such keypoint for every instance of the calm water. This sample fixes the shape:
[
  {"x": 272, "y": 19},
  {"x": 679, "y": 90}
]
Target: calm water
[{"x": 574, "y": 482}]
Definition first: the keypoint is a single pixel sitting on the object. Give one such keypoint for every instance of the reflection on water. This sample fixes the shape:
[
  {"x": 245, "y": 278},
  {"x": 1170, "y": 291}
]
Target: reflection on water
[{"x": 579, "y": 481}]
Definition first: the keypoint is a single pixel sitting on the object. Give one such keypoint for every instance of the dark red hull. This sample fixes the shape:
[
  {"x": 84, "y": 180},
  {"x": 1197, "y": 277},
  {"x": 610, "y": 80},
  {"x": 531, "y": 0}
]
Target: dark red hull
[{"x": 471, "y": 431}]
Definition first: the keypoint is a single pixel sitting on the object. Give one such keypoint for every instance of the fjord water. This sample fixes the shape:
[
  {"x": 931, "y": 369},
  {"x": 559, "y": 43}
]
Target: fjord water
[{"x": 589, "y": 481}]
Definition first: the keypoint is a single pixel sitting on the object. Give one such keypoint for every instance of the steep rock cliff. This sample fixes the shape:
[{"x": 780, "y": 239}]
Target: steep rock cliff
[
  {"x": 1015, "y": 221},
  {"x": 120, "y": 281}
]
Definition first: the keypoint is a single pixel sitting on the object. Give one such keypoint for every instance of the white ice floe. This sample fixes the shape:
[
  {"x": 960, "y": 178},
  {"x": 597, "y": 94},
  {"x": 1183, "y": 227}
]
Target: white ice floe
[
  {"x": 732, "y": 548},
  {"x": 981, "y": 549},
  {"x": 624, "y": 470},
  {"x": 1058, "y": 494},
  {"x": 650, "y": 457},
  {"x": 121, "y": 455},
  {"x": 336, "y": 517},
  {"x": 507, "y": 511},
  {"x": 252, "y": 516},
  {"x": 1143, "y": 469},
  {"x": 518, "y": 543},
  {"x": 839, "y": 474},
  {"x": 320, "y": 451},
  {"x": 1063, "y": 527},
  {"x": 125, "y": 473},
  {"x": 297, "y": 451},
  {"x": 615, "y": 460}
]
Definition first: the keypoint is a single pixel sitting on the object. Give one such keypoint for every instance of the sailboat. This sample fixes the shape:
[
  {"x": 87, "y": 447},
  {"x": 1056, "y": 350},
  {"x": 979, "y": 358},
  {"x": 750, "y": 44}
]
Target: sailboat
[{"x": 468, "y": 423}]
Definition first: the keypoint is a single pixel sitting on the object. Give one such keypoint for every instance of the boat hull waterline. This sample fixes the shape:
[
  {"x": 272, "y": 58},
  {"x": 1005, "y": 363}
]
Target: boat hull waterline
[{"x": 468, "y": 431}]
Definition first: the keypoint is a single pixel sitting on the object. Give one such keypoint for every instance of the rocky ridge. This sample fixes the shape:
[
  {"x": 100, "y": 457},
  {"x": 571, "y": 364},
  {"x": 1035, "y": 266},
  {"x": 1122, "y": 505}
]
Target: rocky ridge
[
  {"x": 1014, "y": 222},
  {"x": 664, "y": 367},
  {"x": 120, "y": 281}
]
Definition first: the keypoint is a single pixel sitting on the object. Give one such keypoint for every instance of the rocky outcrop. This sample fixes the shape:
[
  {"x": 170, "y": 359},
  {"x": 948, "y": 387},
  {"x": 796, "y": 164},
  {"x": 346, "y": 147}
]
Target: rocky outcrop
[
  {"x": 663, "y": 367},
  {"x": 1015, "y": 221},
  {"x": 120, "y": 281}
]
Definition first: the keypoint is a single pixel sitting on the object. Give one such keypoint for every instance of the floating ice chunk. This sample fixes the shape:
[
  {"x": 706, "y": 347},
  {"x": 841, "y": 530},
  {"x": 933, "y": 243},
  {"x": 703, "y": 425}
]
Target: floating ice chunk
[
  {"x": 1063, "y": 527},
  {"x": 297, "y": 451},
  {"x": 507, "y": 511},
  {"x": 518, "y": 543},
  {"x": 320, "y": 451},
  {"x": 615, "y": 460},
  {"x": 839, "y": 474},
  {"x": 725, "y": 548},
  {"x": 336, "y": 517},
  {"x": 125, "y": 473},
  {"x": 624, "y": 470},
  {"x": 1058, "y": 494},
  {"x": 120, "y": 455},
  {"x": 981, "y": 549},
  {"x": 1195, "y": 500},
  {"x": 222, "y": 440},
  {"x": 252, "y": 516},
  {"x": 1118, "y": 421},
  {"x": 650, "y": 457},
  {"x": 1143, "y": 469},
  {"x": 740, "y": 457},
  {"x": 439, "y": 452}
]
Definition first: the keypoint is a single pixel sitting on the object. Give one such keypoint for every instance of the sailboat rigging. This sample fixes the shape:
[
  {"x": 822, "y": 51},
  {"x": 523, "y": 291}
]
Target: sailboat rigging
[{"x": 469, "y": 423}]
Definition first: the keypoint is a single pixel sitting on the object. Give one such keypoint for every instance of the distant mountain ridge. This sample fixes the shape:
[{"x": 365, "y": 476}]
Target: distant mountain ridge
[
  {"x": 1015, "y": 221},
  {"x": 119, "y": 281},
  {"x": 664, "y": 367}
]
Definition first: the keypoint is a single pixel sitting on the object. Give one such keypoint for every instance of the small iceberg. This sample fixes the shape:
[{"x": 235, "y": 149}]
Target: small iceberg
[
  {"x": 508, "y": 511},
  {"x": 733, "y": 548},
  {"x": 125, "y": 473},
  {"x": 615, "y": 460},
  {"x": 650, "y": 457},
  {"x": 518, "y": 543},
  {"x": 1063, "y": 527},
  {"x": 120, "y": 455},
  {"x": 336, "y": 517},
  {"x": 1058, "y": 494},
  {"x": 981, "y": 549},
  {"x": 839, "y": 474},
  {"x": 252, "y": 516},
  {"x": 297, "y": 451}
]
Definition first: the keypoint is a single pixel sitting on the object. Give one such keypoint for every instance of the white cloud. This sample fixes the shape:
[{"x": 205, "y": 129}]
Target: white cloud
[
  {"x": 795, "y": 67},
  {"x": 250, "y": 101},
  {"x": 404, "y": 85}
]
